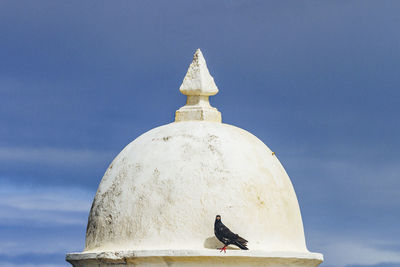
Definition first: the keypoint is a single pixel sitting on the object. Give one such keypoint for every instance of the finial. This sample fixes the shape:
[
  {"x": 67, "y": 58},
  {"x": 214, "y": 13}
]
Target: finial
[
  {"x": 198, "y": 80},
  {"x": 198, "y": 85}
]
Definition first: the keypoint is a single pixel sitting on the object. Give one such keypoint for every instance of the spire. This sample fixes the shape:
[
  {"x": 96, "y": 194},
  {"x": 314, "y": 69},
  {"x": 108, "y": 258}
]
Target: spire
[
  {"x": 198, "y": 80},
  {"x": 198, "y": 85}
]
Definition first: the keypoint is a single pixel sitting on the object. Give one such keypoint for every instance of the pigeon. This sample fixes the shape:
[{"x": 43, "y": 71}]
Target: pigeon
[{"x": 227, "y": 237}]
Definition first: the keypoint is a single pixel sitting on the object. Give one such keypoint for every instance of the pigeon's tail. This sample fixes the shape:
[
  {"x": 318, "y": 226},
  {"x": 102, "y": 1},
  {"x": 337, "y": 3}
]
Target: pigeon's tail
[{"x": 241, "y": 245}]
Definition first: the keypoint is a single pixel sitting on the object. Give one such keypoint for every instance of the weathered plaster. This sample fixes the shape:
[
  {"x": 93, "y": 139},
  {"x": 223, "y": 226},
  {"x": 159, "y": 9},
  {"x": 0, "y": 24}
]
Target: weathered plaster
[{"x": 165, "y": 188}]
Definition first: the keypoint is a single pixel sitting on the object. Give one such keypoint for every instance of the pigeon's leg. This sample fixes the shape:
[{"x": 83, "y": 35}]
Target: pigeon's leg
[{"x": 223, "y": 249}]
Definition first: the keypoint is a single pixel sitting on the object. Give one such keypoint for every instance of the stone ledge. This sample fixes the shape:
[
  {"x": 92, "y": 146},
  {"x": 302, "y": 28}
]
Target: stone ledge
[{"x": 194, "y": 258}]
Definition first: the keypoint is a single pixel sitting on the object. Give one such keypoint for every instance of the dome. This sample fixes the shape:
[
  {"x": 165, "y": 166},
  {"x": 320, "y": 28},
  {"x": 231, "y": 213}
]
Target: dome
[
  {"x": 163, "y": 191},
  {"x": 165, "y": 188},
  {"x": 158, "y": 200}
]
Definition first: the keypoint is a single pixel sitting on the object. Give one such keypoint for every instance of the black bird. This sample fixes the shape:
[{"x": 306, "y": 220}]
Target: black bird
[{"x": 226, "y": 236}]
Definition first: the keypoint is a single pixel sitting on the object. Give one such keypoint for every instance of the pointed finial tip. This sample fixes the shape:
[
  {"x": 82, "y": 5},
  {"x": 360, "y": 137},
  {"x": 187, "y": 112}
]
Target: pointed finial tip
[
  {"x": 198, "y": 51},
  {"x": 198, "y": 85},
  {"x": 198, "y": 80}
]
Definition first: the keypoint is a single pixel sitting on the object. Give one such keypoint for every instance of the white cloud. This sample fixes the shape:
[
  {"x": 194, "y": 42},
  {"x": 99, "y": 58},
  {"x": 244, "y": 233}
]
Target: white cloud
[
  {"x": 16, "y": 248},
  {"x": 347, "y": 252},
  {"x": 44, "y": 206},
  {"x": 373, "y": 184},
  {"x": 50, "y": 205},
  {"x": 45, "y": 198},
  {"x": 49, "y": 155},
  {"x": 8, "y": 264},
  {"x": 340, "y": 251},
  {"x": 16, "y": 217}
]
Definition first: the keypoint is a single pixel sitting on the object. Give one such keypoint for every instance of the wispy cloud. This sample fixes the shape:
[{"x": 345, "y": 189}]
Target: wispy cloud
[
  {"x": 9, "y": 264},
  {"x": 367, "y": 183},
  {"x": 45, "y": 198},
  {"x": 340, "y": 250},
  {"x": 24, "y": 217},
  {"x": 347, "y": 252},
  {"x": 34, "y": 259},
  {"x": 353, "y": 208},
  {"x": 14, "y": 249},
  {"x": 383, "y": 264},
  {"x": 50, "y": 205},
  {"x": 39, "y": 224},
  {"x": 50, "y": 155}
]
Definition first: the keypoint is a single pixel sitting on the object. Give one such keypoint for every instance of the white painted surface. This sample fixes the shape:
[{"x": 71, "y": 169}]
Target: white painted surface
[
  {"x": 165, "y": 188},
  {"x": 194, "y": 258}
]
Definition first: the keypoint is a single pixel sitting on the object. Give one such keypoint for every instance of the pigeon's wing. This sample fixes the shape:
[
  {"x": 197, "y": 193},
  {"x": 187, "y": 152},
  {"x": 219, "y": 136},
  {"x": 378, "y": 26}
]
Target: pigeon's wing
[
  {"x": 241, "y": 245},
  {"x": 227, "y": 237},
  {"x": 241, "y": 240},
  {"x": 227, "y": 233}
]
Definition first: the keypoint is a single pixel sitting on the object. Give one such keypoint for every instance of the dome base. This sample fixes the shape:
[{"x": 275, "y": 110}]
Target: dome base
[{"x": 194, "y": 258}]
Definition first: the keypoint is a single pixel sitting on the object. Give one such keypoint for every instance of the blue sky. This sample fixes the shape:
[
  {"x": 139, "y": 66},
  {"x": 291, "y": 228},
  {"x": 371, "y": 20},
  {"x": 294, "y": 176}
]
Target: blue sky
[{"x": 317, "y": 81}]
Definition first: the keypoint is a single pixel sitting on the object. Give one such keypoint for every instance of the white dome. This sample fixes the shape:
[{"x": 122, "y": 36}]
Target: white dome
[
  {"x": 157, "y": 202},
  {"x": 165, "y": 188}
]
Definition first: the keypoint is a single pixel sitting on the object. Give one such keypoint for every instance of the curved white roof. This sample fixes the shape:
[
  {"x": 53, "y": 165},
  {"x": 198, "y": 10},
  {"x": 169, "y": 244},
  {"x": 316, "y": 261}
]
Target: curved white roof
[{"x": 165, "y": 188}]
